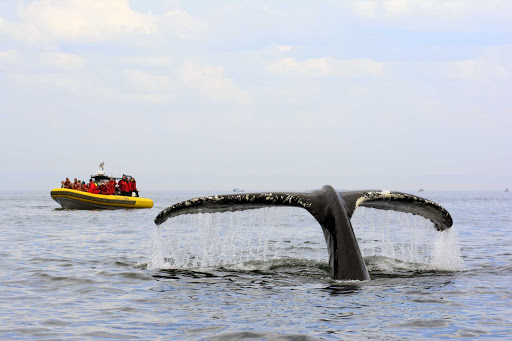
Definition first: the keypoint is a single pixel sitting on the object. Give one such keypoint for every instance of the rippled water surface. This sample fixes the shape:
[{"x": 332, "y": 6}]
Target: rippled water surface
[{"x": 260, "y": 274}]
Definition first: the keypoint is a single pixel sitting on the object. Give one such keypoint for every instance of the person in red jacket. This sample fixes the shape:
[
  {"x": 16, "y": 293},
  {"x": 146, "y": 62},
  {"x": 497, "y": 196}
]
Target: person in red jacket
[
  {"x": 103, "y": 189},
  {"x": 124, "y": 186},
  {"x": 112, "y": 186},
  {"x": 92, "y": 187},
  {"x": 133, "y": 187}
]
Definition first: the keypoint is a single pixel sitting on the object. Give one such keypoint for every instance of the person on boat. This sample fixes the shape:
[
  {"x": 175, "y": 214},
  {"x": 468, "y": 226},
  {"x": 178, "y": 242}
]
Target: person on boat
[
  {"x": 62, "y": 185},
  {"x": 124, "y": 186},
  {"x": 112, "y": 186},
  {"x": 92, "y": 187},
  {"x": 78, "y": 185},
  {"x": 133, "y": 187},
  {"x": 96, "y": 189},
  {"x": 67, "y": 183},
  {"x": 75, "y": 184},
  {"x": 103, "y": 189}
]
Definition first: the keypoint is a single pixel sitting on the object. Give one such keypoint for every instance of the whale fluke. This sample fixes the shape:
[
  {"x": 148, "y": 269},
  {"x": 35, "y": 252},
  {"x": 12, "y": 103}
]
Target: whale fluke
[
  {"x": 330, "y": 208},
  {"x": 396, "y": 201}
]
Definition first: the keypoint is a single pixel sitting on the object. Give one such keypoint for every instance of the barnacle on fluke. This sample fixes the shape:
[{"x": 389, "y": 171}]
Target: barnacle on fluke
[{"x": 332, "y": 209}]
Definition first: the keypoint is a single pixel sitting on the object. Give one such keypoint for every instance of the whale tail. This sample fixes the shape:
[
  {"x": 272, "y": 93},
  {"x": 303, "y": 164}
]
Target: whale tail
[{"x": 330, "y": 208}]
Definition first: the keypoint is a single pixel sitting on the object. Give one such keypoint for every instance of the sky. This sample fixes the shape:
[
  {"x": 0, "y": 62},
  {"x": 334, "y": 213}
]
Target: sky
[{"x": 258, "y": 95}]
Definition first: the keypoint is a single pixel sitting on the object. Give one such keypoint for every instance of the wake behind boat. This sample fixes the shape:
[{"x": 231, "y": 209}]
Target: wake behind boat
[{"x": 102, "y": 192}]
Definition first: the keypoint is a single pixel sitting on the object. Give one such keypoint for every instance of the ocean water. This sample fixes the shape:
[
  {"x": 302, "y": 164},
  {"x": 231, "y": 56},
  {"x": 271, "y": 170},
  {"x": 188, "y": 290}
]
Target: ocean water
[{"x": 258, "y": 275}]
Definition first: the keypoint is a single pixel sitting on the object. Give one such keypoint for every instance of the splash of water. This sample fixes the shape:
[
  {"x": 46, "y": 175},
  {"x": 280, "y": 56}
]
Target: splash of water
[
  {"x": 388, "y": 240},
  {"x": 156, "y": 255},
  {"x": 447, "y": 255},
  {"x": 215, "y": 240},
  {"x": 401, "y": 240}
]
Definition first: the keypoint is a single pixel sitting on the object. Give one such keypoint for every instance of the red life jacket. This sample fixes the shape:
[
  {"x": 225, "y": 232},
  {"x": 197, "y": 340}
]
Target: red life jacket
[
  {"x": 123, "y": 185},
  {"x": 92, "y": 187},
  {"x": 103, "y": 189},
  {"x": 111, "y": 187},
  {"x": 133, "y": 185}
]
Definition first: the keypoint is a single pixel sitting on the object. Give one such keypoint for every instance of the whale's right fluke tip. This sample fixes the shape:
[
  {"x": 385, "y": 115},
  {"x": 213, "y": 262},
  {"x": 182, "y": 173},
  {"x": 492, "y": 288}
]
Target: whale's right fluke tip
[{"x": 401, "y": 202}]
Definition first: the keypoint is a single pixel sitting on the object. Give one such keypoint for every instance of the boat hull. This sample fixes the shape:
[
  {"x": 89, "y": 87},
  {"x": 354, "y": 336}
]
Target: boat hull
[{"x": 77, "y": 200}]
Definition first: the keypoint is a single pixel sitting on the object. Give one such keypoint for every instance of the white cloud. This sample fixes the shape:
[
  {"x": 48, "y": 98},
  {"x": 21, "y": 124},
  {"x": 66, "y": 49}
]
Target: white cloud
[
  {"x": 211, "y": 83},
  {"x": 47, "y": 82},
  {"x": 147, "y": 87},
  {"x": 7, "y": 54},
  {"x": 8, "y": 58},
  {"x": 63, "y": 61},
  {"x": 20, "y": 31},
  {"x": 444, "y": 5},
  {"x": 423, "y": 11},
  {"x": 145, "y": 81},
  {"x": 191, "y": 77},
  {"x": 328, "y": 67},
  {"x": 182, "y": 24},
  {"x": 366, "y": 8},
  {"x": 396, "y": 6},
  {"x": 154, "y": 98},
  {"x": 46, "y": 21},
  {"x": 371, "y": 8},
  {"x": 284, "y": 48},
  {"x": 146, "y": 61},
  {"x": 90, "y": 20},
  {"x": 477, "y": 70}
]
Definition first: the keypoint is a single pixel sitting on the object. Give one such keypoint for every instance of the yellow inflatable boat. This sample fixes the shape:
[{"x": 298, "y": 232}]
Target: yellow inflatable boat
[{"x": 77, "y": 200}]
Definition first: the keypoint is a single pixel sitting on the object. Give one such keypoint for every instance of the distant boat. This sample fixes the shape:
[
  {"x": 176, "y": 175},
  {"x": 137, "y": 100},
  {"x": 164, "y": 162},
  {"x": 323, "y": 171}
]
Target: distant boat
[
  {"x": 238, "y": 190},
  {"x": 421, "y": 190},
  {"x": 506, "y": 189}
]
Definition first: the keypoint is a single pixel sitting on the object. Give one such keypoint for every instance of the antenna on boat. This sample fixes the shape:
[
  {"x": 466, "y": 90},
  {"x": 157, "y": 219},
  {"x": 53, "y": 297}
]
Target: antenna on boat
[{"x": 102, "y": 164}]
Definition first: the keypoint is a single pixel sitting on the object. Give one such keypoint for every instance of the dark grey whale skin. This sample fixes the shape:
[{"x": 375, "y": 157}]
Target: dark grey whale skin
[{"x": 331, "y": 209}]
